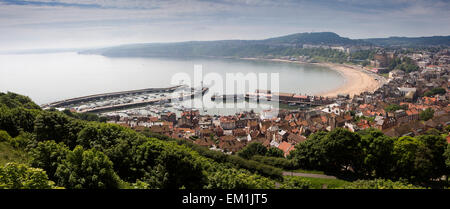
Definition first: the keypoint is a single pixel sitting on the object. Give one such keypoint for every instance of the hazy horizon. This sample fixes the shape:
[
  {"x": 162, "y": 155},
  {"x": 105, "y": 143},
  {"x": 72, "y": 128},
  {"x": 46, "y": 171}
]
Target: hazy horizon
[{"x": 56, "y": 24}]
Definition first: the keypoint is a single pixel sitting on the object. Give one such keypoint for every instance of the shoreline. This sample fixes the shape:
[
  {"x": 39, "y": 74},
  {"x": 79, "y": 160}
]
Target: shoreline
[{"x": 356, "y": 79}]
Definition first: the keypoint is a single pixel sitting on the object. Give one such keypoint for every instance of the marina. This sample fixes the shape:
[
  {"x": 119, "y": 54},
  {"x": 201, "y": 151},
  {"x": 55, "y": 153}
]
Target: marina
[{"x": 128, "y": 99}]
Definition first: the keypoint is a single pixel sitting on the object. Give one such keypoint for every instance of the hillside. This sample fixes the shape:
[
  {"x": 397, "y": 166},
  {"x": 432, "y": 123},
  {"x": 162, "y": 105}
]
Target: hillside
[
  {"x": 325, "y": 38},
  {"x": 289, "y": 45},
  {"x": 284, "y": 45}
]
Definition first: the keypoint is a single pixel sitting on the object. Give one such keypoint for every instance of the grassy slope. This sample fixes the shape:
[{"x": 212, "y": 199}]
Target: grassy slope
[{"x": 11, "y": 154}]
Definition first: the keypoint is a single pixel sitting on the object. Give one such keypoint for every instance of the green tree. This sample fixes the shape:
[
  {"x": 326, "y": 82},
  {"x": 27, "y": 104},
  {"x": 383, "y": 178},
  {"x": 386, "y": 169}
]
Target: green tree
[
  {"x": 342, "y": 151},
  {"x": 310, "y": 153},
  {"x": 378, "y": 157},
  {"x": 20, "y": 176},
  {"x": 293, "y": 182},
  {"x": 274, "y": 152},
  {"x": 17, "y": 119},
  {"x": 407, "y": 65},
  {"x": 24, "y": 118},
  {"x": 57, "y": 126},
  {"x": 251, "y": 149},
  {"x": 7, "y": 122},
  {"x": 167, "y": 165},
  {"x": 413, "y": 159},
  {"x": 279, "y": 162},
  {"x": 380, "y": 184},
  {"x": 117, "y": 142},
  {"x": 48, "y": 155},
  {"x": 4, "y": 136},
  {"x": 437, "y": 145},
  {"x": 17, "y": 113},
  {"x": 427, "y": 114},
  {"x": 337, "y": 151},
  {"x": 447, "y": 160},
  {"x": 13, "y": 100},
  {"x": 434, "y": 91},
  {"x": 87, "y": 169},
  {"x": 237, "y": 179},
  {"x": 395, "y": 107},
  {"x": 23, "y": 140},
  {"x": 433, "y": 131}
]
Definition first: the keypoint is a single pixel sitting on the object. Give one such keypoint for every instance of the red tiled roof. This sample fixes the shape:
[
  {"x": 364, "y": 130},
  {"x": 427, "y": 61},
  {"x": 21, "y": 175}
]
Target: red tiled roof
[
  {"x": 184, "y": 130},
  {"x": 286, "y": 147}
]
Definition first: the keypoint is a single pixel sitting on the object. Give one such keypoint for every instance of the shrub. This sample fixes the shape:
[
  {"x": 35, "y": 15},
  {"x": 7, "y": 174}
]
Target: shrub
[
  {"x": 57, "y": 126},
  {"x": 20, "y": 176},
  {"x": 22, "y": 141},
  {"x": 434, "y": 91},
  {"x": 292, "y": 182},
  {"x": 380, "y": 184},
  {"x": 275, "y": 152},
  {"x": 238, "y": 179},
  {"x": 48, "y": 155},
  {"x": 252, "y": 149},
  {"x": 427, "y": 114},
  {"x": 231, "y": 160},
  {"x": 87, "y": 169},
  {"x": 254, "y": 166},
  {"x": 4, "y": 136},
  {"x": 287, "y": 164}
]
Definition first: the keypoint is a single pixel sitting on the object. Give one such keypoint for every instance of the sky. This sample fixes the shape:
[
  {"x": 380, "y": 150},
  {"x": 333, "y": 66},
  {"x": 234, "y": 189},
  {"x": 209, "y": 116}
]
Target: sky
[{"x": 49, "y": 24}]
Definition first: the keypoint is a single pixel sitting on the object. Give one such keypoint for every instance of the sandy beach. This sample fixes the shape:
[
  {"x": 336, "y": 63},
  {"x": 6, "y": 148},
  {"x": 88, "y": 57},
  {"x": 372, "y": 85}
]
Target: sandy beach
[{"x": 356, "y": 81}]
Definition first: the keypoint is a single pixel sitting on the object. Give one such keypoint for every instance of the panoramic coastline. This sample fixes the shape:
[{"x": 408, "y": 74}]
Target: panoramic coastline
[{"x": 252, "y": 97}]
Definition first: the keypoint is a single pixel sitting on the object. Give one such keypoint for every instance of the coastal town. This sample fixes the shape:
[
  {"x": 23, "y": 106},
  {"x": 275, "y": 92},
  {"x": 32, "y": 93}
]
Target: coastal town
[{"x": 403, "y": 103}]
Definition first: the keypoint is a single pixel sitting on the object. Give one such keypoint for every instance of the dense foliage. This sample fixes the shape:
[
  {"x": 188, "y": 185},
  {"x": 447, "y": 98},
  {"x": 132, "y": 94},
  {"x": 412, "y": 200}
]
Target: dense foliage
[
  {"x": 291, "y": 182},
  {"x": 76, "y": 153},
  {"x": 86, "y": 169},
  {"x": 48, "y": 155},
  {"x": 81, "y": 154},
  {"x": 236, "y": 179},
  {"x": 20, "y": 176},
  {"x": 395, "y": 107},
  {"x": 426, "y": 114},
  {"x": 371, "y": 154},
  {"x": 279, "y": 162},
  {"x": 434, "y": 91},
  {"x": 230, "y": 160},
  {"x": 447, "y": 159},
  {"x": 362, "y": 55},
  {"x": 252, "y": 149},
  {"x": 85, "y": 116},
  {"x": 380, "y": 184},
  {"x": 15, "y": 120},
  {"x": 13, "y": 100},
  {"x": 406, "y": 64},
  {"x": 57, "y": 126},
  {"x": 257, "y": 148},
  {"x": 4, "y": 136}
]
